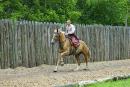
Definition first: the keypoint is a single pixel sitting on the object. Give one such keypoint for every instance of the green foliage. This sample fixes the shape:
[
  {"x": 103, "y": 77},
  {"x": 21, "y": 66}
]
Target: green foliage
[
  {"x": 74, "y": 15},
  {"x": 112, "y": 12},
  {"x": 51, "y": 16},
  {"x": 118, "y": 83},
  {"x": 128, "y": 10}
]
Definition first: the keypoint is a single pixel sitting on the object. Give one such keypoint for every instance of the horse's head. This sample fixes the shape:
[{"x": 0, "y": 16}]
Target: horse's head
[
  {"x": 55, "y": 36},
  {"x": 58, "y": 35}
]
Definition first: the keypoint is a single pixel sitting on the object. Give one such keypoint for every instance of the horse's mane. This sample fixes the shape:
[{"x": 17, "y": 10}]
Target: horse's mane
[
  {"x": 59, "y": 30},
  {"x": 62, "y": 31}
]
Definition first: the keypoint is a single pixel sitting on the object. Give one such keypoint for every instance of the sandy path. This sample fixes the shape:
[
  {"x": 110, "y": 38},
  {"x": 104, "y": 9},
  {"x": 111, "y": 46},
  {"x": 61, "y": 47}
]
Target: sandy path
[{"x": 43, "y": 76}]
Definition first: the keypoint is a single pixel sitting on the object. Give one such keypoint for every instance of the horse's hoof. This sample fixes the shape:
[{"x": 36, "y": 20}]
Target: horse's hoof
[
  {"x": 55, "y": 71},
  {"x": 86, "y": 69}
]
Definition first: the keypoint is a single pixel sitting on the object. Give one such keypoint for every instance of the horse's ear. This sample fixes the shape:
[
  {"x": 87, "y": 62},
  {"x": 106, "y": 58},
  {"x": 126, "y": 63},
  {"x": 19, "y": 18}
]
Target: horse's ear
[{"x": 57, "y": 30}]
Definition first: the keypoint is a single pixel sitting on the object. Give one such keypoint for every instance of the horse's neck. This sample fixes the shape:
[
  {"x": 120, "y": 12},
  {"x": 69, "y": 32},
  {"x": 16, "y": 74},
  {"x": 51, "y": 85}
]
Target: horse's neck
[
  {"x": 62, "y": 40},
  {"x": 62, "y": 37}
]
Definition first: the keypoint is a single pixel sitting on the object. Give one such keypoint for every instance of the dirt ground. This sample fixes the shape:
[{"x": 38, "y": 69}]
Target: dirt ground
[{"x": 43, "y": 76}]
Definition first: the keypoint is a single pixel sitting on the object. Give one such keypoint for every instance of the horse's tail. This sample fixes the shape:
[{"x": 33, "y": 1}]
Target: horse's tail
[{"x": 86, "y": 48}]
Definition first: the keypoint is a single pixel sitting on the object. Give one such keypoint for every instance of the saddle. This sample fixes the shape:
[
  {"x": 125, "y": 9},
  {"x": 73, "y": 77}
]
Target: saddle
[{"x": 74, "y": 41}]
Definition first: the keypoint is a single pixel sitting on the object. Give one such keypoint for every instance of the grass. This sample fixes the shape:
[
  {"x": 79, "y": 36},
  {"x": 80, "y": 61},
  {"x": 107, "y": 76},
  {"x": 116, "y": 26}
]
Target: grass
[
  {"x": 118, "y": 83},
  {"x": 111, "y": 83}
]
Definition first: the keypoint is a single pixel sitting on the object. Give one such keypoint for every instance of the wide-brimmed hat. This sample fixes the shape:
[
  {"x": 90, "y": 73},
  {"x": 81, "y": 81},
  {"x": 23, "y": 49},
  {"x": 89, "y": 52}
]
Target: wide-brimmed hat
[{"x": 68, "y": 21}]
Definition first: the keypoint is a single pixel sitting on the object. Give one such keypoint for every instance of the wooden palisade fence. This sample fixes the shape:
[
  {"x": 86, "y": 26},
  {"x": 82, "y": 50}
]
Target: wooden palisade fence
[{"x": 27, "y": 43}]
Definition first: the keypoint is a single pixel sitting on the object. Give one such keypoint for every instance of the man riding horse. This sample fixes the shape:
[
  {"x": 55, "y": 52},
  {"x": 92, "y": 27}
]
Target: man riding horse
[
  {"x": 70, "y": 32},
  {"x": 70, "y": 45}
]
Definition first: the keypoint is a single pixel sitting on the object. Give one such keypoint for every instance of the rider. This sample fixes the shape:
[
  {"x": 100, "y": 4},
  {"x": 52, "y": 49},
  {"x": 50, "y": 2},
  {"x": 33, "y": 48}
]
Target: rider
[{"x": 70, "y": 32}]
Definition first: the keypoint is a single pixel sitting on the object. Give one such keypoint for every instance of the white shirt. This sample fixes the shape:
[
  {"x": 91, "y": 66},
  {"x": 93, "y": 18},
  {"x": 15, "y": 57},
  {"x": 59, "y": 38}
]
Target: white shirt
[{"x": 70, "y": 29}]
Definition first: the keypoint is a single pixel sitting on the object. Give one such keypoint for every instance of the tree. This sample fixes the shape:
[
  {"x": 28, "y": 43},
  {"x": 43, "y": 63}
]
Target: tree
[
  {"x": 128, "y": 13},
  {"x": 103, "y": 11},
  {"x": 112, "y": 12}
]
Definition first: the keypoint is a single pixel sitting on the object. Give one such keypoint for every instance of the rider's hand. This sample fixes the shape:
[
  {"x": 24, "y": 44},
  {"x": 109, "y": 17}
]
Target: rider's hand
[{"x": 66, "y": 34}]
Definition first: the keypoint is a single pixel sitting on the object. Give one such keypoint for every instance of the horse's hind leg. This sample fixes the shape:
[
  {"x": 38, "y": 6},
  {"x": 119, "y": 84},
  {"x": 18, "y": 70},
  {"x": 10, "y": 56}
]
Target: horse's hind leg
[
  {"x": 78, "y": 62},
  {"x": 86, "y": 57}
]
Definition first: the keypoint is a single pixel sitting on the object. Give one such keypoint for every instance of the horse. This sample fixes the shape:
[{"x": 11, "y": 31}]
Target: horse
[{"x": 66, "y": 49}]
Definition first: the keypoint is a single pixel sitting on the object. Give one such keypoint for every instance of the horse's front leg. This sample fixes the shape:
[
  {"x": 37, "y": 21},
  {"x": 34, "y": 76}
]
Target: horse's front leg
[
  {"x": 63, "y": 54},
  {"x": 58, "y": 61}
]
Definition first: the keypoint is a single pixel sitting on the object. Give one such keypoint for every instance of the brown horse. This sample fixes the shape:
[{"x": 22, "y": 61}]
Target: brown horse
[{"x": 66, "y": 49}]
